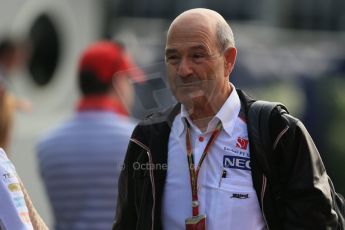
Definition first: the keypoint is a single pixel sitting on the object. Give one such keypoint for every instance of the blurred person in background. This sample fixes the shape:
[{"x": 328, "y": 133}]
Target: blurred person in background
[
  {"x": 16, "y": 208},
  {"x": 12, "y": 57},
  {"x": 81, "y": 160},
  {"x": 194, "y": 166}
]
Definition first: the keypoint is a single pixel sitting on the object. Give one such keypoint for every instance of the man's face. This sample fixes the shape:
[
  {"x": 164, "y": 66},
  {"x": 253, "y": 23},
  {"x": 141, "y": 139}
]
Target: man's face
[
  {"x": 16, "y": 60},
  {"x": 195, "y": 65}
]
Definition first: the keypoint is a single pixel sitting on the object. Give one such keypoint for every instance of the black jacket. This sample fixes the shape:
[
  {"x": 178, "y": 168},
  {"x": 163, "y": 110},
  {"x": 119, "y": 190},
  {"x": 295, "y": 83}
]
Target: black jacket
[{"x": 302, "y": 202}]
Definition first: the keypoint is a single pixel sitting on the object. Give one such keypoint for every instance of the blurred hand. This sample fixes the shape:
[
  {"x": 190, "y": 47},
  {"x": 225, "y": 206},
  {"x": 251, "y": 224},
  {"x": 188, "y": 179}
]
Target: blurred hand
[{"x": 24, "y": 105}]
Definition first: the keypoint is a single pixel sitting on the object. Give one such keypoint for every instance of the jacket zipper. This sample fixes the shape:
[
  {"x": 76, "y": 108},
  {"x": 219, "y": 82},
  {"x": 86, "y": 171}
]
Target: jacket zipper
[
  {"x": 263, "y": 190},
  {"x": 280, "y": 135},
  {"x": 264, "y": 178},
  {"x": 148, "y": 152}
]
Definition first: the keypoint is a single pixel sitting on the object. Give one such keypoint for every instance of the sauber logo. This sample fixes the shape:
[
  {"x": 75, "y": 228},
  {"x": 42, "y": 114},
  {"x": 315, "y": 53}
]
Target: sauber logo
[{"x": 242, "y": 143}]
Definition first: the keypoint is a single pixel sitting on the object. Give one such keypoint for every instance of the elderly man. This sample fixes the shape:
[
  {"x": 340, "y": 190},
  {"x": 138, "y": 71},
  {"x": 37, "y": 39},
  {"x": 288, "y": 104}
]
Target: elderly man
[{"x": 191, "y": 167}]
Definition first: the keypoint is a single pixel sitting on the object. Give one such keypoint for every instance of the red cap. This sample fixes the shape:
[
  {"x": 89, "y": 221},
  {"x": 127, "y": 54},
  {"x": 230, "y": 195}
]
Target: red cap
[{"x": 106, "y": 58}]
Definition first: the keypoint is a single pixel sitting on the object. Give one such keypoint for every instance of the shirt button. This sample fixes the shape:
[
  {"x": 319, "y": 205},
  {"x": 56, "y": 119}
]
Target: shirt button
[{"x": 201, "y": 138}]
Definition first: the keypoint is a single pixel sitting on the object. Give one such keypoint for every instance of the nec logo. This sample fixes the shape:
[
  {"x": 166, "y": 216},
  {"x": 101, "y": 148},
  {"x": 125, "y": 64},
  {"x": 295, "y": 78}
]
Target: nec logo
[
  {"x": 242, "y": 143},
  {"x": 236, "y": 162}
]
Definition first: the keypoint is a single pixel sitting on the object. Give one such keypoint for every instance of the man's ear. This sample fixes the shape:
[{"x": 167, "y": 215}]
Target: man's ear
[
  {"x": 229, "y": 60},
  {"x": 116, "y": 84}
]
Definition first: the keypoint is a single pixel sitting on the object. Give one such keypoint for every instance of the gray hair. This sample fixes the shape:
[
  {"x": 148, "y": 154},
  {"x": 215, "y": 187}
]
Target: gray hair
[{"x": 224, "y": 35}]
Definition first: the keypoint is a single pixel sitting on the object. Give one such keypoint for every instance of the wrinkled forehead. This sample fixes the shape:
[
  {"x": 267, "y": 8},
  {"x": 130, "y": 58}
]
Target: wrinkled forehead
[{"x": 192, "y": 31}]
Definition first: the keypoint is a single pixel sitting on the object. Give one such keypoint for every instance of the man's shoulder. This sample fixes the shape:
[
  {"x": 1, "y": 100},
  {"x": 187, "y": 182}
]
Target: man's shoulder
[
  {"x": 77, "y": 127},
  {"x": 60, "y": 130},
  {"x": 157, "y": 124},
  {"x": 275, "y": 115},
  {"x": 166, "y": 115}
]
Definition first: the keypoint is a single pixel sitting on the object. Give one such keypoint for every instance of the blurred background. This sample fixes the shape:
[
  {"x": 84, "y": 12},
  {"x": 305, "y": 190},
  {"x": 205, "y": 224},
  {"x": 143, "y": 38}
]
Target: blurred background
[{"x": 289, "y": 51}]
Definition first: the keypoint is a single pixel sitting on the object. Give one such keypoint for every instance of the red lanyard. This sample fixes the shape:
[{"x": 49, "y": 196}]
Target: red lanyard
[{"x": 193, "y": 173}]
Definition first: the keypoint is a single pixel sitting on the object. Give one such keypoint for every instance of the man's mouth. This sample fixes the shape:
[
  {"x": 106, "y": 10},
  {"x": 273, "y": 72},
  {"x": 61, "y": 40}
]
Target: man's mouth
[
  {"x": 196, "y": 93},
  {"x": 189, "y": 85}
]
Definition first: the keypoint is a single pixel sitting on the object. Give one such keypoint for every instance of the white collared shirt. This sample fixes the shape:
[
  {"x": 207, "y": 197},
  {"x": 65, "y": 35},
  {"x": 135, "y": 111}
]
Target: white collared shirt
[
  {"x": 225, "y": 188},
  {"x": 14, "y": 213}
]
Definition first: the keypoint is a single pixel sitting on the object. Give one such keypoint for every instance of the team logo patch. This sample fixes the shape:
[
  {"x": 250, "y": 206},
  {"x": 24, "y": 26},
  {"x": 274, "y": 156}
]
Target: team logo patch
[
  {"x": 19, "y": 201},
  {"x": 8, "y": 177},
  {"x": 14, "y": 187},
  {"x": 25, "y": 217},
  {"x": 242, "y": 143},
  {"x": 236, "y": 162}
]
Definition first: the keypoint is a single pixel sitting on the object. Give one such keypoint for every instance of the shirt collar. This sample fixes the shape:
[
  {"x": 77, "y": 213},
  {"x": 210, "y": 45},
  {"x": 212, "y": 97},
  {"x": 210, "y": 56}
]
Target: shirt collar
[{"x": 227, "y": 114}]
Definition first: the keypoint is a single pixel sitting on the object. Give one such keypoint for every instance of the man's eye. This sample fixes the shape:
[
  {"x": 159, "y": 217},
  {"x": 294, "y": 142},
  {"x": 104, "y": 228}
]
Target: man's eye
[
  {"x": 198, "y": 55},
  {"x": 172, "y": 59}
]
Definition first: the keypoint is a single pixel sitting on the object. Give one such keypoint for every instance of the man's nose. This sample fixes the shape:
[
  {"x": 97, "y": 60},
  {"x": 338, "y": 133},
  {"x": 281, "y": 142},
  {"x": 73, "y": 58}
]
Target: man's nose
[{"x": 184, "y": 69}]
